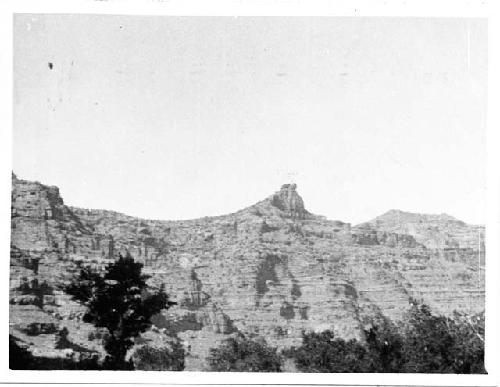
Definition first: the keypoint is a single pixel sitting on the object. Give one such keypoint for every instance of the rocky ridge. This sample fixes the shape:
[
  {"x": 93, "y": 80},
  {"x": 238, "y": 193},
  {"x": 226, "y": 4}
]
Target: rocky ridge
[{"x": 272, "y": 269}]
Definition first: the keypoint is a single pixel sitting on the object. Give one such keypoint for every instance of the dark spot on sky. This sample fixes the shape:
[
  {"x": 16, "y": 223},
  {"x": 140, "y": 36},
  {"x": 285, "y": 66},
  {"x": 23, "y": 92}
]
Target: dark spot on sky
[
  {"x": 51, "y": 65},
  {"x": 121, "y": 27}
]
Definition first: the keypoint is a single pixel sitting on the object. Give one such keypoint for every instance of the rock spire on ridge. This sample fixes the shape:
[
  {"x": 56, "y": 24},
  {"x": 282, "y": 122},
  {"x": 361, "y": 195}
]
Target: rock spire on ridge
[{"x": 288, "y": 200}]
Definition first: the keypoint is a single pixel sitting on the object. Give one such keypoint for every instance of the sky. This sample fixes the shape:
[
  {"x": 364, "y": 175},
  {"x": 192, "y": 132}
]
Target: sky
[{"x": 183, "y": 117}]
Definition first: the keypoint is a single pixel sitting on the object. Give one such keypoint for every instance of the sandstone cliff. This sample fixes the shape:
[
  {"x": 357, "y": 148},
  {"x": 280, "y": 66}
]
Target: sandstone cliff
[{"x": 271, "y": 270}]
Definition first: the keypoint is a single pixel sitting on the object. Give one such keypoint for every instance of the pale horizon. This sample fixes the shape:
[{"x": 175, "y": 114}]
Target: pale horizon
[{"x": 184, "y": 117}]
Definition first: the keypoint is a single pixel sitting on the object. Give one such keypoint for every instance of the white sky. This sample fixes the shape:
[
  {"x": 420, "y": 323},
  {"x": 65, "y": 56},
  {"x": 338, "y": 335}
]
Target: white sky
[{"x": 175, "y": 118}]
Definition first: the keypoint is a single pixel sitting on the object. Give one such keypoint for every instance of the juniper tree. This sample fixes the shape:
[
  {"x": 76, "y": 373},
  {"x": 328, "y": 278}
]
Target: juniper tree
[{"x": 119, "y": 300}]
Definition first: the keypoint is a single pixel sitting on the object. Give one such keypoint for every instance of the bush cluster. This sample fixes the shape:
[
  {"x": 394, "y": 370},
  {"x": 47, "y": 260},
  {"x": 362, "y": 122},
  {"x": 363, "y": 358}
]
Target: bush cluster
[
  {"x": 424, "y": 343},
  {"x": 241, "y": 354},
  {"x": 21, "y": 359},
  {"x": 120, "y": 302},
  {"x": 148, "y": 358}
]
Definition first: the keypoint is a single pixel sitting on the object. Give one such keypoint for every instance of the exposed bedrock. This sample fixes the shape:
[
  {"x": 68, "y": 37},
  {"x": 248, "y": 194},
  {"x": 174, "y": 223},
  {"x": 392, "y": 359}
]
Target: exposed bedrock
[{"x": 271, "y": 270}]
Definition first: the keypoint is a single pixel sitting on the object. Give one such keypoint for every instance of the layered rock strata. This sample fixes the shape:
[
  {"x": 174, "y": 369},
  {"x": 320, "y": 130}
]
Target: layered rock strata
[{"x": 272, "y": 270}]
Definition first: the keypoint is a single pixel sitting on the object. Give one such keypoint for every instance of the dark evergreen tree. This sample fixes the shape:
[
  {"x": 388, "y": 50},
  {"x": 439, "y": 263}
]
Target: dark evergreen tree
[
  {"x": 384, "y": 344},
  {"x": 119, "y": 300},
  {"x": 468, "y": 348},
  {"x": 428, "y": 341},
  {"x": 438, "y": 344}
]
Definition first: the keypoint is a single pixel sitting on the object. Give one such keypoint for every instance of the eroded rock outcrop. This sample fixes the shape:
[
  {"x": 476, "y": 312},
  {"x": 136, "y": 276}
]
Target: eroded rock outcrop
[
  {"x": 271, "y": 270},
  {"x": 289, "y": 201}
]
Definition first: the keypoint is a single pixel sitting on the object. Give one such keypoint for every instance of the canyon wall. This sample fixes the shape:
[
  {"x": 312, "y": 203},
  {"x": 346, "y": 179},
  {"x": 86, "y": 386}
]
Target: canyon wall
[{"x": 271, "y": 270}]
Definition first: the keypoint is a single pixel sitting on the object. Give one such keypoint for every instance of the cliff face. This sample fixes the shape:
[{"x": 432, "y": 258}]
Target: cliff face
[
  {"x": 434, "y": 231},
  {"x": 271, "y": 270}
]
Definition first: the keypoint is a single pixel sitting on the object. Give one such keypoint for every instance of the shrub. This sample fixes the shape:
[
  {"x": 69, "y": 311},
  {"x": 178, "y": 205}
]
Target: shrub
[
  {"x": 322, "y": 352},
  {"x": 385, "y": 348},
  {"x": 21, "y": 359},
  {"x": 468, "y": 345},
  {"x": 425, "y": 343},
  {"x": 62, "y": 339},
  {"x": 438, "y": 344},
  {"x": 148, "y": 358},
  {"x": 242, "y": 354}
]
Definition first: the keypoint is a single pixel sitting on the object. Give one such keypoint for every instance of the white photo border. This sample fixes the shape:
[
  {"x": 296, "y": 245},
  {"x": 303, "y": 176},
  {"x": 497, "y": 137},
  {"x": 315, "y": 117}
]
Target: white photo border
[{"x": 324, "y": 8}]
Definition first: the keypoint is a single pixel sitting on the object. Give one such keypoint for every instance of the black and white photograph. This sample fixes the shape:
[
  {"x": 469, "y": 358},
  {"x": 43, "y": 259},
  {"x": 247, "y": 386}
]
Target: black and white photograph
[{"x": 257, "y": 194}]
